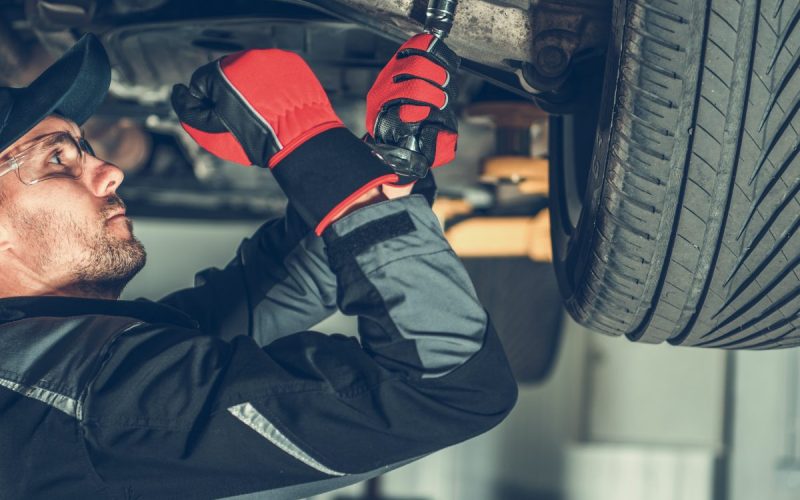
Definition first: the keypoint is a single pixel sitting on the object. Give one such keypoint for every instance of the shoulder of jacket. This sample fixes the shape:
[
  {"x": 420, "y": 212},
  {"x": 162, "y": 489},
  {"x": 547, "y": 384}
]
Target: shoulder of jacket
[{"x": 52, "y": 359}]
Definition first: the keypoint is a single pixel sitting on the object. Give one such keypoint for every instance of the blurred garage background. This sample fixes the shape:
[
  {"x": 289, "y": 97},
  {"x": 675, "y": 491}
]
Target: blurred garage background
[{"x": 598, "y": 418}]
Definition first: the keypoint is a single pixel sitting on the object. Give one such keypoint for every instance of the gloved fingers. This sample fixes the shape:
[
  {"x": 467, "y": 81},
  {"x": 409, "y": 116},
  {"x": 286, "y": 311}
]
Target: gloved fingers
[
  {"x": 444, "y": 54},
  {"x": 432, "y": 48},
  {"x": 443, "y": 120},
  {"x": 198, "y": 117},
  {"x": 416, "y": 90},
  {"x": 438, "y": 145},
  {"x": 195, "y": 109},
  {"x": 401, "y": 116},
  {"x": 420, "y": 41},
  {"x": 451, "y": 91},
  {"x": 401, "y": 120},
  {"x": 221, "y": 144},
  {"x": 389, "y": 128},
  {"x": 412, "y": 113},
  {"x": 418, "y": 66},
  {"x": 415, "y": 113},
  {"x": 446, "y": 146}
]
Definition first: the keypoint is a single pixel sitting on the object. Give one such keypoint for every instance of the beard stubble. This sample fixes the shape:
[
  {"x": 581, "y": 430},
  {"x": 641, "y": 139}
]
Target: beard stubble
[{"x": 97, "y": 263}]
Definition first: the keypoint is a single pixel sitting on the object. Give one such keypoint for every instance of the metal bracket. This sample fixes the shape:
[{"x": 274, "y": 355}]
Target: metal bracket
[{"x": 562, "y": 30}]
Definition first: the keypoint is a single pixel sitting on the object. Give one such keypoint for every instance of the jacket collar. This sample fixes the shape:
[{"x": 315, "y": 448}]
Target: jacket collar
[{"x": 17, "y": 308}]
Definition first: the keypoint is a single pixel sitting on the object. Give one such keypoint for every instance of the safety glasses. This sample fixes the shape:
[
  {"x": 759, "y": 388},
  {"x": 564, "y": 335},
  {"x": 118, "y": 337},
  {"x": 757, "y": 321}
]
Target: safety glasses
[{"x": 56, "y": 155}]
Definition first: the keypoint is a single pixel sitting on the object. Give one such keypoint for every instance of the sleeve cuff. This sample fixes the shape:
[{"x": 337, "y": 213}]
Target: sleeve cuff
[
  {"x": 384, "y": 232},
  {"x": 327, "y": 172}
]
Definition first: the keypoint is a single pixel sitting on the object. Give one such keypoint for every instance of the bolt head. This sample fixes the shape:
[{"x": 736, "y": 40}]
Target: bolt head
[{"x": 552, "y": 60}]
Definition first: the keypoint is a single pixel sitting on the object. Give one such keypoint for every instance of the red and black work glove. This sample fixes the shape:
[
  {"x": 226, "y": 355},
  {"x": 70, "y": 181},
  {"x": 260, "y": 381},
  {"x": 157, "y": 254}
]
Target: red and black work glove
[
  {"x": 266, "y": 107},
  {"x": 410, "y": 108}
]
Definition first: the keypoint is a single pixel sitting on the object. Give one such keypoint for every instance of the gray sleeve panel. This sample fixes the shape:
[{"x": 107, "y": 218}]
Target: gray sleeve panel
[
  {"x": 278, "y": 283},
  {"x": 446, "y": 324},
  {"x": 429, "y": 303},
  {"x": 305, "y": 296},
  {"x": 426, "y": 238}
]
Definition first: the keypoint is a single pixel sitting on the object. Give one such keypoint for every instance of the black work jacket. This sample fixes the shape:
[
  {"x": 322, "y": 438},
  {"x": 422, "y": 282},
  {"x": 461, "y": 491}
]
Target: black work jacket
[{"x": 217, "y": 391}]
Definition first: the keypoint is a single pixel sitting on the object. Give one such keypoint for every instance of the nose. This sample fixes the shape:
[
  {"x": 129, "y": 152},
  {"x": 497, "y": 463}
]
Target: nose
[{"x": 104, "y": 178}]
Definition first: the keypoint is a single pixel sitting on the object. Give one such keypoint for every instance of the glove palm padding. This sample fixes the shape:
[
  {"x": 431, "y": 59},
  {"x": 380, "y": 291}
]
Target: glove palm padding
[{"x": 410, "y": 105}]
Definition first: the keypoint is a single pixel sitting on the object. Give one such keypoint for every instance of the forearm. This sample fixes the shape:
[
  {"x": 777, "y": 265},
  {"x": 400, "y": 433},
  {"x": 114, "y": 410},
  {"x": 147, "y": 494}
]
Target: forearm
[
  {"x": 289, "y": 283},
  {"x": 418, "y": 311},
  {"x": 278, "y": 283},
  {"x": 429, "y": 372}
]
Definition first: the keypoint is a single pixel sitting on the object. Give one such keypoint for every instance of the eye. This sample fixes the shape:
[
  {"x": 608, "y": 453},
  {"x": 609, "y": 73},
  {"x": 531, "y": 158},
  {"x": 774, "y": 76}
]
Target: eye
[{"x": 56, "y": 157}]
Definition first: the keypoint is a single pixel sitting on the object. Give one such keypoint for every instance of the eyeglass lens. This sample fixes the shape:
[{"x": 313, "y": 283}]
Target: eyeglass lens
[
  {"x": 86, "y": 147},
  {"x": 58, "y": 156}
]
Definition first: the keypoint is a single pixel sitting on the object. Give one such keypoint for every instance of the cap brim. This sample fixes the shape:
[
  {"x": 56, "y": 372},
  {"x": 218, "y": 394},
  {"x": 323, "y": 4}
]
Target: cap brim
[{"x": 73, "y": 87}]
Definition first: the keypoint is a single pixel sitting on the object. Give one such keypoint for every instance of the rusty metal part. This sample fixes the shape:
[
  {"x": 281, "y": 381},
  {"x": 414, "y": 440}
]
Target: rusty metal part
[
  {"x": 523, "y": 45},
  {"x": 482, "y": 32},
  {"x": 562, "y": 30}
]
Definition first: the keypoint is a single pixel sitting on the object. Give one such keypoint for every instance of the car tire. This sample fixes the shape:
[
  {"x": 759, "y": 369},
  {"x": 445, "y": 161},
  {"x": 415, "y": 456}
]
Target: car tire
[{"x": 687, "y": 218}]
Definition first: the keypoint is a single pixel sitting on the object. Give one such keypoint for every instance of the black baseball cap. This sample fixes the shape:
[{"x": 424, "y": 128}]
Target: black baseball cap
[{"x": 73, "y": 87}]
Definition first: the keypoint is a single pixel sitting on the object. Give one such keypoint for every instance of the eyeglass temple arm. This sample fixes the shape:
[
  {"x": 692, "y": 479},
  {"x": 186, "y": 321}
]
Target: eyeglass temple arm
[{"x": 13, "y": 165}]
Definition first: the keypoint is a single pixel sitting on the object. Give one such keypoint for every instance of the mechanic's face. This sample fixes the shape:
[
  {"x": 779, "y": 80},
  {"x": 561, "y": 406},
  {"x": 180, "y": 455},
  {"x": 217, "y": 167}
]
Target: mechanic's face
[{"x": 69, "y": 236}]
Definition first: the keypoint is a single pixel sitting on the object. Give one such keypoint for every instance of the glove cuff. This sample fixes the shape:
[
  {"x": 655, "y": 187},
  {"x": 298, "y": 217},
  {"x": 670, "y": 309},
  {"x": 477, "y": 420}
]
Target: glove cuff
[{"x": 324, "y": 175}]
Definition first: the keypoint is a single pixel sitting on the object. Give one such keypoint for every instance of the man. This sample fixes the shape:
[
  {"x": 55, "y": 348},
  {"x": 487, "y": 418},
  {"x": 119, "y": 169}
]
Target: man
[{"x": 217, "y": 391}]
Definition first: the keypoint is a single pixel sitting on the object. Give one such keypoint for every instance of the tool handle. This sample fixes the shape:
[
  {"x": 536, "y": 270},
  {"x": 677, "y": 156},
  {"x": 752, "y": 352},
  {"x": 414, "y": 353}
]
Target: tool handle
[{"x": 439, "y": 17}]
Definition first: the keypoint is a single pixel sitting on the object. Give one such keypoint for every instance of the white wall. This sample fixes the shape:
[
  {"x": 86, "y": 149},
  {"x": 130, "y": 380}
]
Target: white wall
[
  {"x": 177, "y": 249},
  {"x": 653, "y": 426},
  {"x": 765, "y": 463},
  {"x": 655, "y": 394}
]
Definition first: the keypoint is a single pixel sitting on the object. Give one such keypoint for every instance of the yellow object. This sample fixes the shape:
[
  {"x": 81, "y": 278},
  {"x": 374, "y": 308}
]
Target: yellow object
[
  {"x": 447, "y": 208},
  {"x": 530, "y": 173},
  {"x": 503, "y": 237}
]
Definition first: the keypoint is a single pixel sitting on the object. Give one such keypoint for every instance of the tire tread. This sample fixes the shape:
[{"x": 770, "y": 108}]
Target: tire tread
[{"x": 702, "y": 184}]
